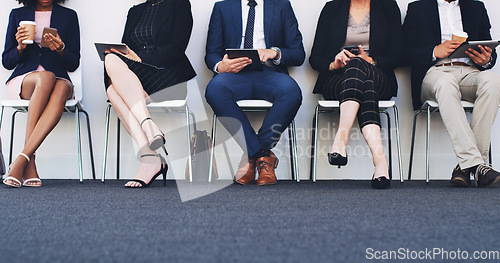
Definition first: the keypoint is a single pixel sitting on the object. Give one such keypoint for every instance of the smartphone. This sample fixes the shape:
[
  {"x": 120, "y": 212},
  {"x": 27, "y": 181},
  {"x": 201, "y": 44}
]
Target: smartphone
[
  {"x": 353, "y": 49},
  {"x": 47, "y": 30}
]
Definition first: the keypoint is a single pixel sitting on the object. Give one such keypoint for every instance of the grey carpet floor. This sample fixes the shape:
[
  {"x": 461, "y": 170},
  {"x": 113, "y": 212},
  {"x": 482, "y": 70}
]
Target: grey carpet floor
[{"x": 330, "y": 221}]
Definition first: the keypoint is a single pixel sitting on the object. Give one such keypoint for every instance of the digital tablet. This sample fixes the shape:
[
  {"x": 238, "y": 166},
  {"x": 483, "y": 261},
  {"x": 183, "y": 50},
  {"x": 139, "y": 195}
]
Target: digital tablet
[
  {"x": 103, "y": 47},
  {"x": 460, "y": 51},
  {"x": 252, "y": 54}
]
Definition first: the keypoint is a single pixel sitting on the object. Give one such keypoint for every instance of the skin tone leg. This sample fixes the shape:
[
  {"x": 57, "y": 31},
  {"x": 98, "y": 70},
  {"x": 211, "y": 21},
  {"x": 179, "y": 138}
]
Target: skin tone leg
[
  {"x": 129, "y": 87},
  {"x": 149, "y": 165},
  {"x": 371, "y": 132},
  {"x": 48, "y": 118},
  {"x": 348, "y": 111}
]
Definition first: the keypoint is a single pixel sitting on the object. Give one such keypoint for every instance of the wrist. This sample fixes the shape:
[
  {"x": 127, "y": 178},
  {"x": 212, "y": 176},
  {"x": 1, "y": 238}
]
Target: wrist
[
  {"x": 278, "y": 53},
  {"x": 61, "y": 49}
]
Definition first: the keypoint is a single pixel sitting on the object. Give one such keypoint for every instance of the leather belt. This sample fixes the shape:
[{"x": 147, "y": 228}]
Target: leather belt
[{"x": 454, "y": 64}]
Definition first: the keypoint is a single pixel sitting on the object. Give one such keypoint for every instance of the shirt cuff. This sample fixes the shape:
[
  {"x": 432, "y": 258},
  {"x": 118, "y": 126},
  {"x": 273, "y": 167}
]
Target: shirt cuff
[
  {"x": 434, "y": 57},
  {"x": 216, "y": 66},
  {"x": 487, "y": 65}
]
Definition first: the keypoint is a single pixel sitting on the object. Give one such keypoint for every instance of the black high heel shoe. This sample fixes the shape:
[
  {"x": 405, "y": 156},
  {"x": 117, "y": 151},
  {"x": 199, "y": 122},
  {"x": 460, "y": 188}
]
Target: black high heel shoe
[
  {"x": 337, "y": 159},
  {"x": 163, "y": 170},
  {"x": 380, "y": 183},
  {"x": 158, "y": 140}
]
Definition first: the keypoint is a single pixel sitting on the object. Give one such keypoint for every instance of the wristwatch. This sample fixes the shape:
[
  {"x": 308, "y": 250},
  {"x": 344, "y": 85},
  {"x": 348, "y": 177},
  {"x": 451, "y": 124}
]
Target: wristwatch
[{"x": 278, "y": 52}]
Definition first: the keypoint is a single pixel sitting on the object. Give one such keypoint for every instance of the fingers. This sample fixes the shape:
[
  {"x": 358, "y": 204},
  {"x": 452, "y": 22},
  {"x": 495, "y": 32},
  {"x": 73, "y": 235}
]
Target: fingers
[
  {"x": 361, "y": 51},
  {"x": 348, "y": 53}
]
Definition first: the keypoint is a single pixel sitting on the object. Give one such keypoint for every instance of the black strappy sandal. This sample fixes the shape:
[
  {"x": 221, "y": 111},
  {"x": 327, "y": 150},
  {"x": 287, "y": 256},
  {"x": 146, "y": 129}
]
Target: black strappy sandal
[
  {"x": 163, "y": 170},
  {"x": 158, "y": 140}
]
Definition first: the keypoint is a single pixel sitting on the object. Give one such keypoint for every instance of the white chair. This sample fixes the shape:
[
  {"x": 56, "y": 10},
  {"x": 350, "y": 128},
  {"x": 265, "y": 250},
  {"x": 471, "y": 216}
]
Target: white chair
[
  {"x": 168, "y": 105},
  {"x": 261, "y": 106},
  {"x": 332, "y": 105},
  {"x": 430, "y": 107},
  {"x": 73, "y": 106}
]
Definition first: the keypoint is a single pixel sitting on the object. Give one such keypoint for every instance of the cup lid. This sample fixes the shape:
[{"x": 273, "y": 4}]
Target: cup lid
[
  {"x": 27, "y": 23},
  {"x": 460, "y": 34}
]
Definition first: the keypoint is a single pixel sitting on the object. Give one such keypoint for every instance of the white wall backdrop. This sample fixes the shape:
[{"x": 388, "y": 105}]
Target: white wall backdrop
[{"x": 103, "y": 21}]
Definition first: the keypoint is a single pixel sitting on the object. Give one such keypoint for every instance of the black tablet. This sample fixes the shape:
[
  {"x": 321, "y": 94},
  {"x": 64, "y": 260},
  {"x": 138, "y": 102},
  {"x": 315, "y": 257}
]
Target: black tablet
[
  {"x": 460, "y": 51},
  {"x": 252, "y": 54},
  {"x": 103, "y": 47}
]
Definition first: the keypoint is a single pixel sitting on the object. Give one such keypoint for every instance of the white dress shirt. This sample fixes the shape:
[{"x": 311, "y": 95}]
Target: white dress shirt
[
  {"x": 450, "y": 18},
  {"x": 259, "y": 41}
]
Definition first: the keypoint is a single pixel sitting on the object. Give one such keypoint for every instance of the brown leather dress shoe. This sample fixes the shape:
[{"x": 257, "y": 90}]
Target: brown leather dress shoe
[
  {"x": 246, "y": 171},
  {"x": 266, "y": 166}
]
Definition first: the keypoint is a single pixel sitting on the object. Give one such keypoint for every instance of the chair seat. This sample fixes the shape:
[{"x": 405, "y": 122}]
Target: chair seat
[
  {"x": 384, "y": 104},
  {"x": 23, "y": 104},
  {"x": 168, "y": 104},
  {"x": 254, "y": 104},
  {"x": 433, "y": 104}
]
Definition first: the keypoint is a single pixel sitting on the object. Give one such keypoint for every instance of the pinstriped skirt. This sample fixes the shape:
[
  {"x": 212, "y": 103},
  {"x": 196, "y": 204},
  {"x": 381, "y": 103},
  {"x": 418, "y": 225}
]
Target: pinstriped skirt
[{"x": 152, "y": 78}]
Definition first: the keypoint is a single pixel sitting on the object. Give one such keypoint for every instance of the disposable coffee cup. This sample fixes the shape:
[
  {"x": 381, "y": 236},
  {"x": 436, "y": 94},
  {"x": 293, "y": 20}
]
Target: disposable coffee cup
[
  {"x": 460, "y": 36},
  {"x": 30, "y": 25}
]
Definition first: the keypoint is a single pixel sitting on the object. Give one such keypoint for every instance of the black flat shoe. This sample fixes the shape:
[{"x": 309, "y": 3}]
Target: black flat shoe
[
  {"x": 381, "y": 182},
  {"x": 163, "y": 170},
  {"x": 337, "y": 159}
]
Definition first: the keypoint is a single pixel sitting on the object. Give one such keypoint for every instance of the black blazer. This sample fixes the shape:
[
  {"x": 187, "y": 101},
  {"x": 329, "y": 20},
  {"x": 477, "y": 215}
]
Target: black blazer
[
  {"x": 385, "y": 38},
  {"x": 65, "y": 21},
  {"x": 172, "y": 29},
  {"x": 422, "y": 33}
]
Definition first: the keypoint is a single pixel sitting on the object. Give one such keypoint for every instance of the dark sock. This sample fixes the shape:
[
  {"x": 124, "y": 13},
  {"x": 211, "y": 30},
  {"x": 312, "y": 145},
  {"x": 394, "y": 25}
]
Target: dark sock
[{"x": 263, "y": 152}]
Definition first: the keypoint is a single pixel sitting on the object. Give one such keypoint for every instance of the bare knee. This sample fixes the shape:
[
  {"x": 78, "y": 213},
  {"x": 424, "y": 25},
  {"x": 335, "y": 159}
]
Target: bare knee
[{"x": 62, "y": 90}]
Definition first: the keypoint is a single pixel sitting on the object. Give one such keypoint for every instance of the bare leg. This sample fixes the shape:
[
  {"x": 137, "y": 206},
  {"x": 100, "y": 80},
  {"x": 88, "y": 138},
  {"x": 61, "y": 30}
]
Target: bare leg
[
  {"x": 149, "y": 165},
  {"x": 348, "y": 112},
  {"x": 37, "y": 88},
  {"x": 371, "y": 132},
  {"x": 129, "y": 88}
]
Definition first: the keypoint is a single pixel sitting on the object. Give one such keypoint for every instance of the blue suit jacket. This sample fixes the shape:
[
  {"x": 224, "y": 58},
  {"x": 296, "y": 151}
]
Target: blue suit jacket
[
  {"x": 280, "y": 30},
  {"x": 422, "y": 32},
  {"x": 65, "y": 21}
]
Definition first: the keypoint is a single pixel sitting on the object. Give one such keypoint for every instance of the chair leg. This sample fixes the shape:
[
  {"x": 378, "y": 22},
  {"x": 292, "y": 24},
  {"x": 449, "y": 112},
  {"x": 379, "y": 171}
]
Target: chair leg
[
  {"x": 12, "y": 134},
  {"x": 118, "y": 148},
  {"x": 290, "y": 144},
  {"x": 490, "y": 156},
  {"x": 428, "y": 144},
  {"x": 398, "y": 143},
  {"x": 1, "y": 117},
  {"x": 212, "y": 149},
  {"x": 314, "y": 144},
  {"x": 389, "y": 142},
  {"x": 412, "y": 147},
  {"x": 295, "y": 152},
  {"x": 188, "y": 128},
  {"x": 106, "y": 135},
  {"x": 90, "y": 143},
  {"x": 79, "y": 144}
]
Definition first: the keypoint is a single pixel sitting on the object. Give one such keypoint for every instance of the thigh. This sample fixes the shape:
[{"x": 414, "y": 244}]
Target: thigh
[
  {"x": 237, "y": 86},
  {"x": 43, "y": 81},
  {"x": 333, "y": 86},
  {"x": 438, "y": 78},
  {"x": 271, "y": 85},
  {"x": 475, "y": 82}
]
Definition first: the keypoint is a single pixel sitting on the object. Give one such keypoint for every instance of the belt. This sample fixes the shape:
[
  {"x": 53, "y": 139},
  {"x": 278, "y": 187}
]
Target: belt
[{"x": 454, "y": 64}]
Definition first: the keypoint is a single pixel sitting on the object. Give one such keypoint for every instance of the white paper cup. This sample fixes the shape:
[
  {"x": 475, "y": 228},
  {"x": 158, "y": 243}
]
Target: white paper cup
[
  {"x": 30, "y": 25},
  {"x": 459, "y": 36}
]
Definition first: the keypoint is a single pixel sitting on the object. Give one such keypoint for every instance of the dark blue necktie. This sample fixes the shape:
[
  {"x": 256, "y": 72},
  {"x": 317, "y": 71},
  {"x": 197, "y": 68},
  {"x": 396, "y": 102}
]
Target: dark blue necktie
[{"x": 250, "y": 25}]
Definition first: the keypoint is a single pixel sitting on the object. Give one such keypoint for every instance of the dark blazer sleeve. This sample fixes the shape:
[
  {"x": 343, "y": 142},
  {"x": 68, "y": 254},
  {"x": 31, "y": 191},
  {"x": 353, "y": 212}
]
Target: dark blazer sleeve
[
  {"x": 175, "y": 49},
  {"x": 292, "y": 54},
  {"x": 71, "y": 58},
  {"x": 319, "y": 60},
  {"x": 484, "y": 33},
  {"x": 215, "y": 38},
  {"x": 416, "y": 54},
  {"x": 389, "y": 57},
  {"x": 10, "y": 57}
]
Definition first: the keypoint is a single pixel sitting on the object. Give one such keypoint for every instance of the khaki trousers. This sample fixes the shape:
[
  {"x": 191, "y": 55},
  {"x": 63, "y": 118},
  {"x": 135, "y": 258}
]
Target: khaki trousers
[{"x": 448, "y": 85}]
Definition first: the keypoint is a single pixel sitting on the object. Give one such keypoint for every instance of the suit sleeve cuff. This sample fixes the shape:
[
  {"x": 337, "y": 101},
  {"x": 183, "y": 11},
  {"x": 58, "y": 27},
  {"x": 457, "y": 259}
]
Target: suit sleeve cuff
[{"x": 216, "y": 66}]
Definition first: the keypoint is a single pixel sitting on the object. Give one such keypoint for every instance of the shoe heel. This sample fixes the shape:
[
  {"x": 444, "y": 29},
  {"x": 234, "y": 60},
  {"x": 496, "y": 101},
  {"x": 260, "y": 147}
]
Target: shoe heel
[
  {"x": 276, "y": 163},
  {"x": 164, "y": 149}
]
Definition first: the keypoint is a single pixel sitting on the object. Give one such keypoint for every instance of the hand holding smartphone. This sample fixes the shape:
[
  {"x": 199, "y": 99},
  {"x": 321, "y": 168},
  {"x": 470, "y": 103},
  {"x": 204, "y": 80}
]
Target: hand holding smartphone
[{"x": 47, "y": 30}]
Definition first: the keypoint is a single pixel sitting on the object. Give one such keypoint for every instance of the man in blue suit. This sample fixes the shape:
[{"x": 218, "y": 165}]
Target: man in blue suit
[
  {"x": 427, "y": 31},
  {"x": 270, "y": 27}
]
